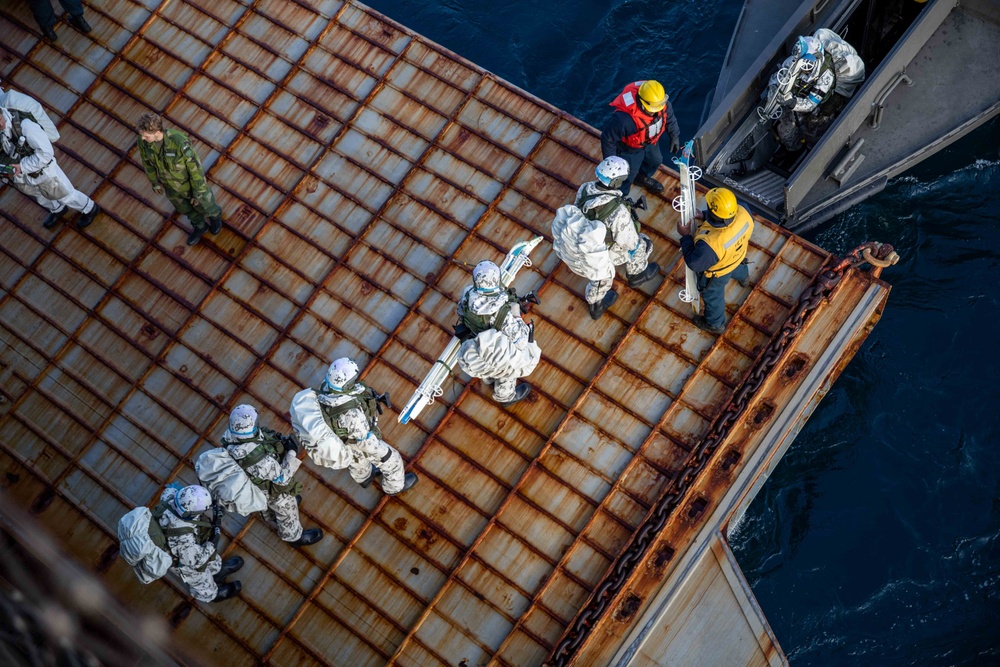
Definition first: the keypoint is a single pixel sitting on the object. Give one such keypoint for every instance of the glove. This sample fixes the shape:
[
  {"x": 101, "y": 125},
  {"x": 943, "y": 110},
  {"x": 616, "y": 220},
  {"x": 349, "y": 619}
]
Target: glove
[
  {"x": 531, "y": 332},
  {"x": 675, "y": 144},
  {"x": 290, "y": 443},
  {"x": 158, "y": 189},
  {"x": 527, "y": 299}
]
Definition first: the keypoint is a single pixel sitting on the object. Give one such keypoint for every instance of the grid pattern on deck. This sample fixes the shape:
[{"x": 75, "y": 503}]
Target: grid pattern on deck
[{"x": 354, "y": 162}]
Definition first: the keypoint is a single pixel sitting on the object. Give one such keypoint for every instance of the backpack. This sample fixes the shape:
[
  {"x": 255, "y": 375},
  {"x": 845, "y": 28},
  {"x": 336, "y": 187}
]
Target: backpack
[
  {"x": 581, "y": 243},
  {"x": 471, "y": 325},
  {"x": 19, "y": 104},
  {"x": 227, "y": 481},
  {"x": 143, "y": 543}
]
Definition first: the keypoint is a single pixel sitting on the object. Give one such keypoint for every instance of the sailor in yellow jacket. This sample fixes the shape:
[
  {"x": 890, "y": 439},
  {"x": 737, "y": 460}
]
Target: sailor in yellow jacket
[{"x": 717, "y": 253}]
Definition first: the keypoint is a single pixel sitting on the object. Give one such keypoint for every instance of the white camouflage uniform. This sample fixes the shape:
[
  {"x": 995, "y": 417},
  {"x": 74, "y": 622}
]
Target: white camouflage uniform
[
  {"x": 50, "y": 187},
  {"x": 518, "y": 364},
  {"x": 282, "y": 508},
  {"x": 190, "y": 555},
  {"x": 629, "y": 247},
  {"x": 365, "y": 448}
]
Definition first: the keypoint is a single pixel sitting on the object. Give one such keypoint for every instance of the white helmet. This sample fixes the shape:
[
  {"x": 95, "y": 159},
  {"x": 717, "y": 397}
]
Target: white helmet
[
  {"x": 612, "y": 171},
  {"x": 486, "y": 277},
  {"x": 243, "y": 421},
  {"x": 341, "y": 374},
  {"x": 809, "y": 49},
  {"x": 192, "y": 500}
]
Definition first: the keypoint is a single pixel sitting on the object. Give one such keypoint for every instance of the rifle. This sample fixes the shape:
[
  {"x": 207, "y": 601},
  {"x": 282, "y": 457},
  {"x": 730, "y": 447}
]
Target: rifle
[{"x": 430, "y": 387}]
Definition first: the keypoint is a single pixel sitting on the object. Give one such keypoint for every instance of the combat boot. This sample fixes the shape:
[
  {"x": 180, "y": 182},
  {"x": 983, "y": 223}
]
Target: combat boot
[
  {"x": 229, "y": 590},
  {"x": 214, "y": 225},
  {"x": 702, "y": 323},
  {"x": 648, "y": 274},
  {"x": 375, "y": 472},
  {"x": 52, "y": 219},
  {"x": 409, "y": 479},
  {"x": 521, "y": 392},
  {"x": 195, "y": 236},
  {"x": 229, "y": 566},
  {"x": 310, "y": 536},
  {"x": 597, "y": 309},
  {"x": 87, "y": 218}
]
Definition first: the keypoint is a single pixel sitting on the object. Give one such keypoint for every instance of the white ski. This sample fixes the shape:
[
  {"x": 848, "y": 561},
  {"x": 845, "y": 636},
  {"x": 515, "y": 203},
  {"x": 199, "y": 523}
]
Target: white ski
[
  {"x": 684, "y": 203},
  {"x": 430, "y": 388}
]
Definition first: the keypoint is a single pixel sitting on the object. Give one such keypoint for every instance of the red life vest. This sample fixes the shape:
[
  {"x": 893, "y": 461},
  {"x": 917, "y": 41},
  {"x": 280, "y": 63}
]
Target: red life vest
[{"x": 651, "y": 127}]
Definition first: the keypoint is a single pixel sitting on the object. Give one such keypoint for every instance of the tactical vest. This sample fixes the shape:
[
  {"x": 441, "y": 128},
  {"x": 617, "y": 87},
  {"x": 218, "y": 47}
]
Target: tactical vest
[
  {"x": 729, "y": 243},
  {"x": 158, "y": 534},
  {"x": 21, "y": 147},
  {"x": 802, "y": 89},
  {"x": 365, "y": 401},
  {"x": 603, "y": 212},
  {"x": 476, "y": 324},
  {"x": 268, "y": 443}
]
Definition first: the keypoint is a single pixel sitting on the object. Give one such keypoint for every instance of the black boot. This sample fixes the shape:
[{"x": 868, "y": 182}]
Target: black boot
[
  {"x": 702, "y": 323},
  {"x": 310, "y": 536},
  {"x": 49, "y": 34},
  {"x": 195, "y": 236},
  {"x": 229, "y": 590},
  {"x": 52, "y": 219},
  {"x": 87, "y": 218},
  {"x": 214, "y": 225},
  {"x": 597, "y": 309},
  {"x": 648, "y": 274},
  {"x": 229, "y": 566},
  {"x": 649, "y": 183},
  {"x": 521, "y": 392},
  {"x": 375, "y": 472},
  {"x": 80, "y": 23},
  {"x": 409, "y": 479}
]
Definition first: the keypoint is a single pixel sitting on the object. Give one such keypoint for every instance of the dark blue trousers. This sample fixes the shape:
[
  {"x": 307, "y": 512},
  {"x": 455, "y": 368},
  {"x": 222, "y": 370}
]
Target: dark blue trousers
[
  {"x": 46, "y": 18},
  {"x": 645, "y": 161},
  {"x": 714, "y": 294}
]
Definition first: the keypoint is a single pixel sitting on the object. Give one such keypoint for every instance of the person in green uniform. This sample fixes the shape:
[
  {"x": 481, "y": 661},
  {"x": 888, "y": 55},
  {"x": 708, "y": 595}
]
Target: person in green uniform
[{"x": 173, "y": 168}]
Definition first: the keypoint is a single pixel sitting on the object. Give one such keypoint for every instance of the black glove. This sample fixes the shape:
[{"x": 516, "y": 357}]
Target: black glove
[
  {"x": 528, "y": 298},
  {"x": 382, "y": 399},
  {"x": 290, "y": 443},
  {"x": 675, "y": 144},
  {"x": 531, "y": 332}
]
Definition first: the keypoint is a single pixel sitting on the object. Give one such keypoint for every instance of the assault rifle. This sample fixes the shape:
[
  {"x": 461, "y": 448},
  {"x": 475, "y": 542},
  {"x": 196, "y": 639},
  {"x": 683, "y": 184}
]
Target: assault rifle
[{"x": 430, "y": 388}]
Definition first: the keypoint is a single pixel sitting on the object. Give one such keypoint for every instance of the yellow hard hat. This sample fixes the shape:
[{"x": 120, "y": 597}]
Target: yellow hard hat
[
  {"x": 652, "y": 95},
  {"x": 721, "y": 202}
]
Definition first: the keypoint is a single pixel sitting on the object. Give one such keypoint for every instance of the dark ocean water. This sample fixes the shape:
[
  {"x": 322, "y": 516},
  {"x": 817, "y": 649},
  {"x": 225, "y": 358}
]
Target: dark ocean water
[{"x": 877, "y": 539}]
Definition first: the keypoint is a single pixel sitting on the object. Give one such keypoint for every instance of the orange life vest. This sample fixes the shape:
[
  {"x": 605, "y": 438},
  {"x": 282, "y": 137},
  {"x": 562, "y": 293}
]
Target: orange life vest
[{"x": 651, "y": 127}]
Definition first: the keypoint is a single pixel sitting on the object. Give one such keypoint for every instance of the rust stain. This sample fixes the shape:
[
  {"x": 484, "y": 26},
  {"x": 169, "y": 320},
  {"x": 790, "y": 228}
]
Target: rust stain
[
  {"x": 627, "y": 608},
  {"x": 399, "y": 524},
  {"x": 662, "y": 555},
  {"x": 761, "y": 415},
  {"x": 793, "y": 369},
  {"x": 179, "y": 614}
]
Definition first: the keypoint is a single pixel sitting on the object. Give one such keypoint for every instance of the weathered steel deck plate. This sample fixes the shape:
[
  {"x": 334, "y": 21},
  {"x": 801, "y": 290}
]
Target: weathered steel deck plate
[{"x": 355, "y": 163}]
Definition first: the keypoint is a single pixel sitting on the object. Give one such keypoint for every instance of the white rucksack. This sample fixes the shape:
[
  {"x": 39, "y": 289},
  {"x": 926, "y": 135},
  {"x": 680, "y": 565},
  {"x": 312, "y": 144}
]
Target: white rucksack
[
  {"x": 13, "y": 100},
  {"x": 581, "y": 243},
  {"x": 228, "y": 482},
  {"x": 324, "y": 447},
  {"x": 143, "y": 545}
]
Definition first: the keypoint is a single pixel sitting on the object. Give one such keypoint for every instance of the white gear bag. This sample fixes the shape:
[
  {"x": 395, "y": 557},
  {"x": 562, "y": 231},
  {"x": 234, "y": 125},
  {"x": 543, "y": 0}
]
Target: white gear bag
[
  {"x": 21, "y": 102},
  {"x": 321, "y": 443},
  {"x": 229, "y": 483},
  {"x": 580, "y": 244},
  {"x": 148, "y": 561},
  {"x": 491, "y": 354}
]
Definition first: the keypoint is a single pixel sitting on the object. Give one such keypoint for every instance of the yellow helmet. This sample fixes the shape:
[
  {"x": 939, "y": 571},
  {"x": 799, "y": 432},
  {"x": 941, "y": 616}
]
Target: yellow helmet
[
  {"x": 721, "y": 202},
  {"x": 652, "y": 95}
]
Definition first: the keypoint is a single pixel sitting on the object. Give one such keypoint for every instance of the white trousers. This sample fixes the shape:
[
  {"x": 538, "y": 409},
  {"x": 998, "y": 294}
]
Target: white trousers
[{"x": 53, "y": 190}]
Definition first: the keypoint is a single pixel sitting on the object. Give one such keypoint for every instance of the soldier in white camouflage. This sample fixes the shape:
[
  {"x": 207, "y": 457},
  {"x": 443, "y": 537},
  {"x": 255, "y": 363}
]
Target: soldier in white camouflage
[
  {"x": 270, "y": 461},
  {"x": 192, "y": 542},
  {"x": 173, "y": 168}
]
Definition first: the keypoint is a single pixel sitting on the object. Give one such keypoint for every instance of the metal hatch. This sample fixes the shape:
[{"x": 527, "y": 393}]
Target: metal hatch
[{"x": 356, "y": 162}]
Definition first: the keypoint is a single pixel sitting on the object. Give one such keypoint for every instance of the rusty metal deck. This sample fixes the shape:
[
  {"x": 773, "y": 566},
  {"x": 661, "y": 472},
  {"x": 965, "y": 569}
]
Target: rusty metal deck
[{"x": 354, "y": 161}]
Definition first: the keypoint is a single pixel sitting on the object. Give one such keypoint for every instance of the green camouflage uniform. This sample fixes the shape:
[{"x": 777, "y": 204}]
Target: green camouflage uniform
[{"x": 173, "y": 164}]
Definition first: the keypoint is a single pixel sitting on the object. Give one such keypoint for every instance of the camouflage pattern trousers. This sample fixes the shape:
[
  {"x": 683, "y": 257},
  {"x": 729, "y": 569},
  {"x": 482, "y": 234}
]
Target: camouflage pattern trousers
[
  {"x": 503, "y": 390},
  {"x": 596, "y": 289},
  {"x": 198, "y": 210},
  {"x": 283, "y": 510},
  {"x": 203, "y": 588},
  {"x": 384, "y": 457}
]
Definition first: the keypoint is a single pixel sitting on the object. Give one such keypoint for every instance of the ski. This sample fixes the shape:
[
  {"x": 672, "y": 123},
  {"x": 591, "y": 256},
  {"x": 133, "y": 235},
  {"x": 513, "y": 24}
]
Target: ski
[{"x": 684, "y": 203}]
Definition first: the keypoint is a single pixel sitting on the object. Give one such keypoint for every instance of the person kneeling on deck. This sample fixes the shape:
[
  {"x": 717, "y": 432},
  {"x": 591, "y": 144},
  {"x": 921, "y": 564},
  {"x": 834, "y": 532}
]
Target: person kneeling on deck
[
  {"x": 717, "y": 253},
  {"x": 498, "y": 347},
  {"x": 338, "y": 425},
  {"x": 829, "y": 70},
  {"x": 254, "y": 471},
  {"x": 173, "y": 537},
  {"x": 601, "y": 231}
]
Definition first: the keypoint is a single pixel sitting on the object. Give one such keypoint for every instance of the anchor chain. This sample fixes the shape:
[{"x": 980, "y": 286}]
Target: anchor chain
[{"x": 614, "y": 581}]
